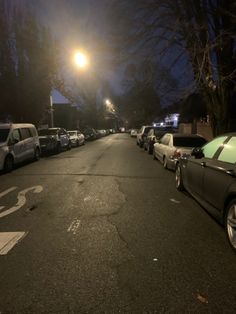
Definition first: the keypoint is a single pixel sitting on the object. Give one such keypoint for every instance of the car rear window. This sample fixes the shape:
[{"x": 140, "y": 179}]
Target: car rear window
[
  {"x": 72, "y": 133},
  {"x": 47, "y": 132},
  {"x": 4, "y": 134},
  {"x": 188, "y": 141},
  {"x": 159, "y": 133},
  {"x": 146, "y": 130}
]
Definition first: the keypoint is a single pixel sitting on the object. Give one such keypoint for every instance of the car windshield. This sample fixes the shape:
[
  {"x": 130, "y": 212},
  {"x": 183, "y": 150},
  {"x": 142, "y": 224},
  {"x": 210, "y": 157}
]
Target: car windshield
[
  {"x": 4, "y": 134},
  {"x": 47, "y": 132},
  {"x": 72, "y": 133},
  {"x": 189, "y": 141}
]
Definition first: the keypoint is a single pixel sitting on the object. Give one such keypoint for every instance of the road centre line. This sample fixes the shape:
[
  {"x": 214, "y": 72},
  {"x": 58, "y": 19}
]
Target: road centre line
[
  {"x": 8, "y": 191},
  {"x": 9, "y": 239}
]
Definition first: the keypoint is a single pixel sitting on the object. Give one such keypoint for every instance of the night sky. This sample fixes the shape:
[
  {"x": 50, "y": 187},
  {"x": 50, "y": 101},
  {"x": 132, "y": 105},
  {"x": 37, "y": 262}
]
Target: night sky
[{"x": 84, "y": 24}]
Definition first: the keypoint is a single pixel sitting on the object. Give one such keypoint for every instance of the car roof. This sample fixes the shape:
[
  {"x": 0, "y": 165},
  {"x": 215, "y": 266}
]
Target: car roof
[
  {"x": 15, "y": 125},
  {"x": 185, "y": 135}
]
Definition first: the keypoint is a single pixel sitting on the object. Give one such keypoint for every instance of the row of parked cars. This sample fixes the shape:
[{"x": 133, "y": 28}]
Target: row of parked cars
[
  {"x": 21, "y": 142},
  {"x": 206, "y": 170}
]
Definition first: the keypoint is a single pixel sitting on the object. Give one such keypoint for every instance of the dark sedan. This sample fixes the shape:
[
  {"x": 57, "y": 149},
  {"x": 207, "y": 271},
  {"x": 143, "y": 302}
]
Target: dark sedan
[{"x": 209, "y": 175}]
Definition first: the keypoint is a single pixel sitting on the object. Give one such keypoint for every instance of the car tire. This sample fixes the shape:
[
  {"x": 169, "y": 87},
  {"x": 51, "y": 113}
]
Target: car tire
[
  {"x": 230, "y": 223},
  {"x": 8, "y": 163},
  {"x": 179, "y": 179},
  {"x": 58, "y": 148},
  {"x": 37, "y": 154},
  {"x": 165, "y": 164},
  {"x": 68, "y": 146},
  {"x": 77, "y": 143},
  {"x": 144, "y": 146},
  {"x": 154, "y": 157},
  {"x": 149, "y": 150}
]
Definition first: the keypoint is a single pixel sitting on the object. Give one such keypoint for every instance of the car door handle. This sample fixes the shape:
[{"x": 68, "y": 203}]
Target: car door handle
[
  {"x": 231, "y": 173},
  {"x": 203, "y": 164}
]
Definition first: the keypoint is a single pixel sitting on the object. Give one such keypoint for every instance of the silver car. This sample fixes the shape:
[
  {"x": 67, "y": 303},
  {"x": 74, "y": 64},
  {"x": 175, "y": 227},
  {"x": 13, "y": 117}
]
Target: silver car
[
  {"x": 76, "y": 138},
  {"x": 171, "y": 147},
  {"x": 18, "y": 143}
]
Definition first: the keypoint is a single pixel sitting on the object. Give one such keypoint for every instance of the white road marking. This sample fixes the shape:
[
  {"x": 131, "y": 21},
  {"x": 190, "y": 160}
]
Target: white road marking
[
  {"x": 21, "y": 200},
  {"x": 174, "y": 201},
  {"x": 8, "y": 240},
  {"x": 74, "y": 226},
  {"x": 87, "y": 198},
  {"x": 7, "y": 191}
]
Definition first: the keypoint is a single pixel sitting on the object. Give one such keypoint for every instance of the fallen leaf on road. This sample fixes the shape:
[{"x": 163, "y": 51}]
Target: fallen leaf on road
[{"x": 202, "y": 299}]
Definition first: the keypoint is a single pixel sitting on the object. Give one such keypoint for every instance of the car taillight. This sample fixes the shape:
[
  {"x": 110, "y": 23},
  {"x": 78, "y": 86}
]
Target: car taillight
[{"x": 177, "y": 154}]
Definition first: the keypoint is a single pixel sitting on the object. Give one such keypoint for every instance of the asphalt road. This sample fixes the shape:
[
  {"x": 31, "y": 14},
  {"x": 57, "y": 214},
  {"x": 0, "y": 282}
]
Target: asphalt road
[{"x": 102, "y": 229}]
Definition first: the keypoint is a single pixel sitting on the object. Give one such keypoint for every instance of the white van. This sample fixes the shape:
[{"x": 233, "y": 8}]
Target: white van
[{"x": 18, "y": 142}]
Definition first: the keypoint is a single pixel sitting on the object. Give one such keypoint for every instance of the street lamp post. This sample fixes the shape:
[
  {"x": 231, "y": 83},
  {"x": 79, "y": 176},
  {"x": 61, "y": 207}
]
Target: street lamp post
[
  {"x": 81, "y": 60},
  {"x": 51, "y": 112}
]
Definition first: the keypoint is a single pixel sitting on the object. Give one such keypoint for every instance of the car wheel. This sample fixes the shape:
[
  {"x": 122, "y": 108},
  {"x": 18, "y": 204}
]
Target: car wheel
[
  {"x": 8, "y": 164},
  {"x": 230, "y": 223},
  {"x": 37, "y": 154},
  {"x": 68, "y": 146},
  {"x": 165, "y": 165},
  {"x": 77, "y": 143},
  {"x": 137, "y": 143},
  {"x": 178, "y": 179},
  {"x": 145, "y": 146},
  {"x": 154, "y": 156}
]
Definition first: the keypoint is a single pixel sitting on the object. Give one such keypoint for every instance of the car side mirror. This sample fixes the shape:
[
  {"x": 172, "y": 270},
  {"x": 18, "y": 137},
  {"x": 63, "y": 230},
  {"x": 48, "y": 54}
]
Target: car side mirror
[{"x": 197, "y": 153}]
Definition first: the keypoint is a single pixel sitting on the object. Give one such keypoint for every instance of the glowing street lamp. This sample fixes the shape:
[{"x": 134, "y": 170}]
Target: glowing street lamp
[{"x": 81, "y": 59}]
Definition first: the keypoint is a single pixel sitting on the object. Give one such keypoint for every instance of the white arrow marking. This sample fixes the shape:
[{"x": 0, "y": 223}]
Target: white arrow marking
[
  {"x": 7, "y": 191},
  {"x": 8, "y": 240},
  {"x": 21, "y": 199}
]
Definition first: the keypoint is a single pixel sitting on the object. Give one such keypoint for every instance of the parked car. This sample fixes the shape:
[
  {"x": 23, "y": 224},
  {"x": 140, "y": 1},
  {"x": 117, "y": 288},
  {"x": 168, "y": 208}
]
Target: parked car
[
  {"x": 172, "y": 146},
  {"x": 90, "y": 134},
  {"x": 101, "y": 133},
  {"x": 133, "y": 132},
  {"x": 18, "y": 143},
  {"x": 154, "y": 135},
  {"x": 54, "y": 140},
  {"x": 209, "y": 175},
  {"x": 142, "y": 134},
  {"x": 76, "y": 138}
]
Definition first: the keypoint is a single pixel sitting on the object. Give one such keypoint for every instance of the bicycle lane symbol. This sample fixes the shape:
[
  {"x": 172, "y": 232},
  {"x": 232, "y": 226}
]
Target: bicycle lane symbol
[{"x": 21, "y": 199}]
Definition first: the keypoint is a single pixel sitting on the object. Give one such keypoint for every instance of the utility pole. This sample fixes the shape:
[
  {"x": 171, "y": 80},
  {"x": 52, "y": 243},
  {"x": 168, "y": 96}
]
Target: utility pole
[{"x": 51, "y": 112}]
